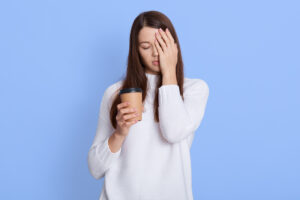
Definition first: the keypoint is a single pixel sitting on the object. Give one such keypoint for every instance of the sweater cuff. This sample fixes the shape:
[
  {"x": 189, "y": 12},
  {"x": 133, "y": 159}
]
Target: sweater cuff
[
  {"x": 107, "y": 155},
  {"x": 168, "y": 93},
  {"x": 109, "y": 152}
]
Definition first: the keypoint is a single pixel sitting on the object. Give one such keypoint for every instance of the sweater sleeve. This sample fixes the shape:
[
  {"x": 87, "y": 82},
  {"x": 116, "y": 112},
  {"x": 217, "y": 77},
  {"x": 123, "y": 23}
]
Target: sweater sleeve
[
  {"x": 178, "y": 118},
  {"x": 100, "y": 157}
]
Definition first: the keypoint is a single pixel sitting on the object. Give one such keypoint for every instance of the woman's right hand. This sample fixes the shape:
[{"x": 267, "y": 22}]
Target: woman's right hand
[{"x": 125, "y": 113}]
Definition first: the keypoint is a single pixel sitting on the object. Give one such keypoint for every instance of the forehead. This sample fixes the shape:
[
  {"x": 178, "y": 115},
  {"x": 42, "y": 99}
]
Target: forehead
[{"x": 147, "y": 34}]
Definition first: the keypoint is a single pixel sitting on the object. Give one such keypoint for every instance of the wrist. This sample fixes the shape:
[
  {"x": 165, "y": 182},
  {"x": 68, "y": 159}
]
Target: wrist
[
  {"x": 169, "y": 78},
  {"x": 118, "y": 136}
]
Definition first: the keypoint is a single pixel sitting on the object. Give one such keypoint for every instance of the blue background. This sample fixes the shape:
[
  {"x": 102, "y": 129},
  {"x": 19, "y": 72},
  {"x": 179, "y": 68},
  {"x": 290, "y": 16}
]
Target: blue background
[{"x": 58, "y": 57}]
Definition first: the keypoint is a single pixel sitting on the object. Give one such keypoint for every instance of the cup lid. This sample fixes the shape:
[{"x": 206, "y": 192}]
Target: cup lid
[{"x": 127, "y": 90}]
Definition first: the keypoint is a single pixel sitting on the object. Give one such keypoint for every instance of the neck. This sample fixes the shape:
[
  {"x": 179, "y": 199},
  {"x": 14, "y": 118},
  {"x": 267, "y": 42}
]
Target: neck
[{"x": 150, "y": 75}]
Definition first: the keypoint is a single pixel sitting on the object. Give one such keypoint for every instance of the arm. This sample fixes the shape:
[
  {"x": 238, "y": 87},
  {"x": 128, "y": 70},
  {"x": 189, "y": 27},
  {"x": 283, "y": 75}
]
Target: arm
[
  {"x": 178, "y": 118},
  {"x": 100, "y": 155}
]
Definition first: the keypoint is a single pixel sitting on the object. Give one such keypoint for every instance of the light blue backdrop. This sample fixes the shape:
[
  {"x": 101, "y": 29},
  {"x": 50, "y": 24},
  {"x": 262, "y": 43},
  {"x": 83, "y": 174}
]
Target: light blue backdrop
[{"x": 57, "y": 58}]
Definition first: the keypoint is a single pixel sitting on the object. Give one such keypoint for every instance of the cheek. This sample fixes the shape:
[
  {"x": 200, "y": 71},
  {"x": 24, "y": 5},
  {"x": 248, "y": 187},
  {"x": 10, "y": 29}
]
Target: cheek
[{"x": 146, "y": 55}]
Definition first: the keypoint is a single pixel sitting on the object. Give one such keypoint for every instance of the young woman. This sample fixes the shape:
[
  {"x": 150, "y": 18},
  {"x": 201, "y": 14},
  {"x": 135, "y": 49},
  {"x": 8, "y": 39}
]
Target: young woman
[{"x": 149, "y": 159}]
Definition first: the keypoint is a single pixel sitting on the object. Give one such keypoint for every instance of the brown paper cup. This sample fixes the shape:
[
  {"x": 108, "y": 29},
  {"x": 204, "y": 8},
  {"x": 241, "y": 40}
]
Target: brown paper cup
[{"x": 134, "y": 97}]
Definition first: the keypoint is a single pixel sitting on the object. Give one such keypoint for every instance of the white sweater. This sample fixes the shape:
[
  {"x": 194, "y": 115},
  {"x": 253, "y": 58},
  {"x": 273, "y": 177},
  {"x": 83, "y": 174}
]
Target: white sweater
[{"x": 154, "y": 161}]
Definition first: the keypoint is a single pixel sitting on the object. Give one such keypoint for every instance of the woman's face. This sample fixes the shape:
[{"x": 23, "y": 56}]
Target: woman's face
[{"x": 148, "y": 50}]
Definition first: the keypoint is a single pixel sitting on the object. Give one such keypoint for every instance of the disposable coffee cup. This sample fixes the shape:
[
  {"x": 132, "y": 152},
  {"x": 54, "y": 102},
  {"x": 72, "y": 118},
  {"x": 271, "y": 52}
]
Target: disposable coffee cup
[{"x": 134, "y": 97}]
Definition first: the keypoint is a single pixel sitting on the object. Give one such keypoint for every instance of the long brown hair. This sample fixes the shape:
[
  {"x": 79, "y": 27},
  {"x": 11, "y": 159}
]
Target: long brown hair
[{"x": 135, "y": 75}]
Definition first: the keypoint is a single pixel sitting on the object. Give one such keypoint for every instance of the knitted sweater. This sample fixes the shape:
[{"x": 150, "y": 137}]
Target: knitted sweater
[{"x": 154, "y": 161}]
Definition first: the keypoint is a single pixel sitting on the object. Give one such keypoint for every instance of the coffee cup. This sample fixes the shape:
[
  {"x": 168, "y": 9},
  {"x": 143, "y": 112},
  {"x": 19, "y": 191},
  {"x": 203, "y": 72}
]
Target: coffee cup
[{"x": 134, "y": 97}]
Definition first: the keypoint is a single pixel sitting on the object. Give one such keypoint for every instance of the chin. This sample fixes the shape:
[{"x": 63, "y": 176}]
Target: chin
[{"x": 156, "y": 68}]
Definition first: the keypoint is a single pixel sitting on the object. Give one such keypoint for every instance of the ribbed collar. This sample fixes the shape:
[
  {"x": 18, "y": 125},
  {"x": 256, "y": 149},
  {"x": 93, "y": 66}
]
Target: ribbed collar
[{"x": 152, "y": 78}]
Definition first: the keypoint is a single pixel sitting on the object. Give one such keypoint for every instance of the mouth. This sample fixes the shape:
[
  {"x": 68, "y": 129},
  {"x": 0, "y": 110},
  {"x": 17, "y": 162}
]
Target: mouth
[{"x": 155, "y": 62}]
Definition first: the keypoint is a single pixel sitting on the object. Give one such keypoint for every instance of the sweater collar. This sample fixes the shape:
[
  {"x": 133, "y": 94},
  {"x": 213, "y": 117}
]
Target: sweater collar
[{"x": 152, "y": 78}]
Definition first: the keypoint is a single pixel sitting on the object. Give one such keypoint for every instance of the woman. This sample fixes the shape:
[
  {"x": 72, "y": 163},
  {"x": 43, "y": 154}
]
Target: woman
[{"x": 149, "y": 159}]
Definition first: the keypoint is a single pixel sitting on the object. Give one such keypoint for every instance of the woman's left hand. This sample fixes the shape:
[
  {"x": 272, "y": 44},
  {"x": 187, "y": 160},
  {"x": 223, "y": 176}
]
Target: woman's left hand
[{"x": 167, "y": 50}]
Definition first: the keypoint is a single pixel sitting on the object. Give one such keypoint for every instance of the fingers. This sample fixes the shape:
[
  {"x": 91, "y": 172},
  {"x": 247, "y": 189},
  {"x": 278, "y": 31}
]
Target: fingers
[
  {"x": 161, "y": 42},
  {"x": 126, "y": 121},
  {"x": 170, "y": 35},
  {"x": 159, "y": 49},
  {"x": 122, "y": 105},
  {"x": 165, "y": 37},
  {"x": 130, "y": 120},
  {"x": 125, "y": 113},
  {"x": 130, "y": 123},
  {"x": 130, "y": 116},
  {"x": 171, "y": 40}
]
